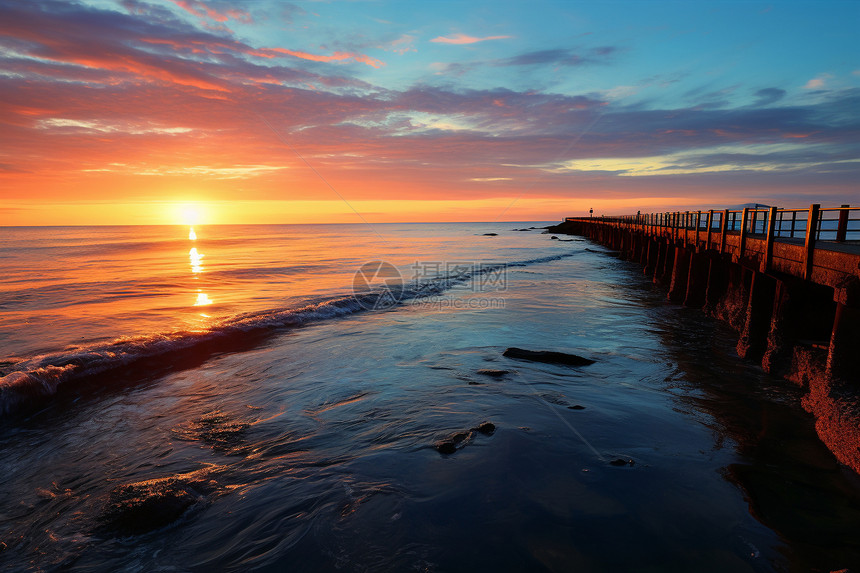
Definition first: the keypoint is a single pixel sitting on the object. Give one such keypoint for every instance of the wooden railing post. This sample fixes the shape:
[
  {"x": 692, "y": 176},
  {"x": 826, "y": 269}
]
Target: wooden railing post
[
  {"x": 811, "y": 230},
  {"x": 768, "y": 254},
  {"x": 743, "y": 238},
  {"x": 686, "y": 225},
  {"x": 842, "y": 229},
  {"x": 710, "y": 224},
  {"x": 698, "y": 224},
  {"x": 724, "y": 221}
]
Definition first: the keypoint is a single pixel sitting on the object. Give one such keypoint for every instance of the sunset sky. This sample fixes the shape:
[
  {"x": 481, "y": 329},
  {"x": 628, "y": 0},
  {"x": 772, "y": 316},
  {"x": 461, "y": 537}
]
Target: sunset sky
[{"x": 159, "y": 112}]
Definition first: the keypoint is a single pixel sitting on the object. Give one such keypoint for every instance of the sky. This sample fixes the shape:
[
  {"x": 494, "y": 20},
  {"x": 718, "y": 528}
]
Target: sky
[{"x": 212, "y": 111}]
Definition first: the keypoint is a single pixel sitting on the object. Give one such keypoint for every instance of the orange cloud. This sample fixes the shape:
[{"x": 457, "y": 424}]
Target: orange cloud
[
  {"x": 464, "y": 39},
  {"x": 336, "y": 57}
]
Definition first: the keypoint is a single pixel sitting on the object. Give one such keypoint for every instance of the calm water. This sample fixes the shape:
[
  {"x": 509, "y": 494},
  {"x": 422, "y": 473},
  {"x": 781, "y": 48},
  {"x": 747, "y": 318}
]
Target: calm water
[{"x": 290, "y": 425}]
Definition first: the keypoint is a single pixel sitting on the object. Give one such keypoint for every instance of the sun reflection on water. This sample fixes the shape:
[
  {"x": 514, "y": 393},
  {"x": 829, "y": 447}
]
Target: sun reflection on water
[
  {"x": 202, "y": 299},
  {"x": 196, "y": 261}
]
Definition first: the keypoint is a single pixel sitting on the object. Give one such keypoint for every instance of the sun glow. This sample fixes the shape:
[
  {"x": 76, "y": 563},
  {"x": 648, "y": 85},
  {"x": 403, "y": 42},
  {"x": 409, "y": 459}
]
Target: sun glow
[{"x": 190, "y": 214}]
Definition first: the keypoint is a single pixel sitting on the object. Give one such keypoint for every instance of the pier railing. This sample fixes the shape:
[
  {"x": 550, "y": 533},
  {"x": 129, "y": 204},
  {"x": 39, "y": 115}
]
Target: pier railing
[{"x": 835, "y": 224}]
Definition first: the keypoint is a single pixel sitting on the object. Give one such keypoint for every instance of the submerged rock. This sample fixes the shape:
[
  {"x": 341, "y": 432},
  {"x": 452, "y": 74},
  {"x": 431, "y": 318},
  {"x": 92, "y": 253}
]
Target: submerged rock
[
  {"x": 490, "y": 234},
  {"x": 457, "y": 440},
  {"x": 621, "y": 462},
  {"x": 493, "y": 373},
  {"x": 453, "y": 442},
  {"x": 138, "y": 507},
  {"x": 554, "y": 237},
  {"x": 576, "y": 407},
  {"x": 486, "y": 428},
  {"x": 547, "y": 356},
  {"x": 217, "y": 429}
]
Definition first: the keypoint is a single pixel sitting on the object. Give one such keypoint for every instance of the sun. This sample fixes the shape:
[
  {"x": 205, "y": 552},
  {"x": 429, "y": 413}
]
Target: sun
[{"x": 189, "y": 214}]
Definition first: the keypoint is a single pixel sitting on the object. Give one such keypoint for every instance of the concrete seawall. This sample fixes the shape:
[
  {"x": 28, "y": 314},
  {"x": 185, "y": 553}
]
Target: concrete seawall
[{"x": 793, "y": 298}]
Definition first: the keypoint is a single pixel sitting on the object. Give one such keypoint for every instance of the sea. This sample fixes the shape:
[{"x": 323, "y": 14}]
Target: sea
[{"x": 337, "y": 398}]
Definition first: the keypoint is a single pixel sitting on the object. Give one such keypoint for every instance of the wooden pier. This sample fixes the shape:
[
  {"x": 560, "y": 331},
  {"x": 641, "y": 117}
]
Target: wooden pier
[{"x": 788, "y": 280}]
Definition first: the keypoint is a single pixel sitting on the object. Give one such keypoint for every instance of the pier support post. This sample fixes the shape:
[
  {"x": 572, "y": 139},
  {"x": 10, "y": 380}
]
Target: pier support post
[
  {"x": 753, "y": 340},
  {"x": 680, "y": 272},
  {"x": 843, "y": 357},
  {"x": 697, "y": 280},
  {"x": 780, "y": 339},
  {"x": 718, "y": 280},
  {"x": 663, "y": 271},
  {"x": 652, "y": 251}
]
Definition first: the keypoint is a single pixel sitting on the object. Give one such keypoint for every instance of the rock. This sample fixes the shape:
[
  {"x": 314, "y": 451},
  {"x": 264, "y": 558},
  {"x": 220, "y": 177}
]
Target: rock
[
  {"x": 486, "y": 428},
  {"x": 576, "y": 407},
  {"x": 554, "y": 237},
  {"x": 490, "y": 234},
  {"x": 547, "y": 356},
  {"x": 450, "y": 444},
  {"x": 446, "y": 447},
  {"x": 493, "y": 373},
  {"x": 621, "y": 462},
  {"x": 139, "y": 507},
  {"x": 454, "y": 442}
]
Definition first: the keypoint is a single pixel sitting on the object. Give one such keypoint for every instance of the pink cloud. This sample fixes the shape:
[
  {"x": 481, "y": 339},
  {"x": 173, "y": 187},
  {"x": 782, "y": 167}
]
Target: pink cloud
[
  {"x": 336, "y": 57},
  {"x": 464, "y": 39},
  {"x": 201, "y": 10}
]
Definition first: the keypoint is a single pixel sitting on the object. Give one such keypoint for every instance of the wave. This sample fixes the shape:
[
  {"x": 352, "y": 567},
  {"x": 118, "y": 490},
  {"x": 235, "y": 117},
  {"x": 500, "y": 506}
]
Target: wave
[{"x": 32, "y": 380}]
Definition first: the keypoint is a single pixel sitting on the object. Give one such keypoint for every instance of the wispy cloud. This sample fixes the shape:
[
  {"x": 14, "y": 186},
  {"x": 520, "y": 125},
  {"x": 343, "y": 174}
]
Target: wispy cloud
[
  {"x": 818, "y": 82},
  {"x": 202, "y": 10},
  {"x": 465, "y": 39},
  {"x": 335, "y": 57},
  {"x": 768, "y": 96}
]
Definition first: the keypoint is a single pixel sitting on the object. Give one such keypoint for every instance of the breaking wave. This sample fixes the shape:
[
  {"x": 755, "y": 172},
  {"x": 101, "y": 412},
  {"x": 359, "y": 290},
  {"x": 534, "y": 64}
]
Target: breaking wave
[{"x": 34, "y": 379}]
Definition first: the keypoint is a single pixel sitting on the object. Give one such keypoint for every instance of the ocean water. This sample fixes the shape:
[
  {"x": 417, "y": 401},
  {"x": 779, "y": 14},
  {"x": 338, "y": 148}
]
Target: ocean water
[{"x": 268, "y": 398}]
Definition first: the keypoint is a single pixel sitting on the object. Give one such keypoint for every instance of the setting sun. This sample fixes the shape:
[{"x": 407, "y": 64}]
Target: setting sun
[{"x": 191, "y": 214}]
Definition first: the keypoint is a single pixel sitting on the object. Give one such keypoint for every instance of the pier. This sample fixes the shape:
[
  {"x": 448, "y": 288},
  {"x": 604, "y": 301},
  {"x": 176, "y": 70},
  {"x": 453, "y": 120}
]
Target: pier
[{"x": 787, "y": 280}]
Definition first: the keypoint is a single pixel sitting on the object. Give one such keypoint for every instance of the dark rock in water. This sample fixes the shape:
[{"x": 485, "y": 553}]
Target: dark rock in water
[
  {"x": 486, "y": 428},
  {"x": 554, "y": 237},
  {"x": 450, "y": 444},
  {"x": 490, "y": 234},
  {"x": 547, "y": 356},
  {"x": 493, "y": 373},
  {"x": 475, "y": 383},
  {"x": 139, "y": 507},
  {"x": 454, "y": 442},
  {"x": 621, "y": 462},
  {"x": 446, "y": 447},
  {"x": 576, "y": 407}
]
